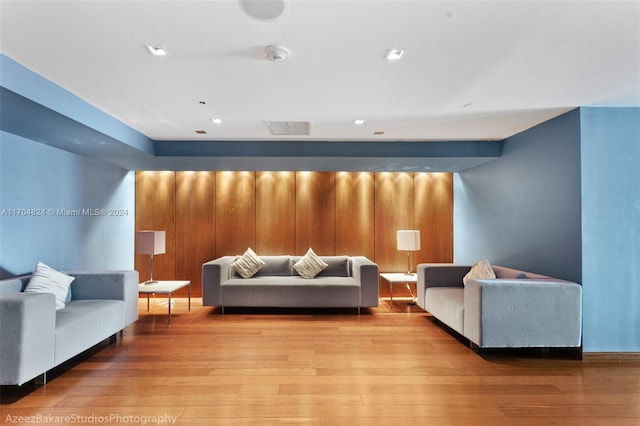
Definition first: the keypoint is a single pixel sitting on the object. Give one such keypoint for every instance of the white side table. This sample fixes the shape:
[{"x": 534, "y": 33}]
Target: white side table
[
  {"x": 165, "y": 287},
  {"x": 398, "y": 278}
]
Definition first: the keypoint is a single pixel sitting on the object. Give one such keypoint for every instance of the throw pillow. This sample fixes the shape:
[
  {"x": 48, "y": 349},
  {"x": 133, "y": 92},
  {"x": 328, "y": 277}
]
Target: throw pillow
[
  {"x": 47, "y": 280},
  {"x": 310, "y": 265},
  {"x": 480, "y": 270},
  {"x": 248, "y": 264}
]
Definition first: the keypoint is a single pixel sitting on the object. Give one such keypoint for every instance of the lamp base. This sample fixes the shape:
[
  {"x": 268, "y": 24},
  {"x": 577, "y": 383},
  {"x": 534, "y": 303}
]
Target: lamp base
[{"x": 151, "y": 282}]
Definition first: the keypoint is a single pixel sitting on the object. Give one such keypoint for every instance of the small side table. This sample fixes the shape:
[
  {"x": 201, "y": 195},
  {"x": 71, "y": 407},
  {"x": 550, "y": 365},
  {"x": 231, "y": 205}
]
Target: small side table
[
  {"x": 165, "y": 287},
  {"x": 398, "y": 278}
]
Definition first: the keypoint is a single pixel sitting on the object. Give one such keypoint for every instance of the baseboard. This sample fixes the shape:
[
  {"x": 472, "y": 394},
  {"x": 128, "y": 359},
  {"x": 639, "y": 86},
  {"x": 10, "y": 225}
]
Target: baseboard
[{"x": 611, "y": 356}]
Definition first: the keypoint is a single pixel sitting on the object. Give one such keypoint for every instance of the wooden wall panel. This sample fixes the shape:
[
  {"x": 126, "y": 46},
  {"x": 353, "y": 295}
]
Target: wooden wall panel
[
  {"x": 315, "y": 212},
  {"x": 195, "y": 226},
  {"x": 235, "y": 212},
  {"x": 433, "y": 215},
  {"x": 355, "y": 214},
  {"x": 394, "y": 211},
  {"x": 155, "y": 210},
  {"x": 212, "y": 214},
  {"x": 275, "y": 213}
]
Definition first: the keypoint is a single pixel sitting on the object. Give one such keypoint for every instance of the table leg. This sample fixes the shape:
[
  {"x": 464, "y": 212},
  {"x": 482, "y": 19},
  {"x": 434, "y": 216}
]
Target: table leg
[
  {"x": 189, "y": 292},
  {"x": 391, "y": 292},
  {"x": 169, "y": 308},
  {"x": 147, "y": 302}
]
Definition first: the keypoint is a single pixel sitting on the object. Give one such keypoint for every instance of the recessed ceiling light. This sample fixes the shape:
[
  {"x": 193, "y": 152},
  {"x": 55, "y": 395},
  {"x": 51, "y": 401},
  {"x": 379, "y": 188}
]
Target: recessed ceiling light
[
  {"x": 216, "y": 120},
  {"x": 358, "y": 122},
  {"x": 394, "y": 54},
  {"x": 157, "y": 50}
]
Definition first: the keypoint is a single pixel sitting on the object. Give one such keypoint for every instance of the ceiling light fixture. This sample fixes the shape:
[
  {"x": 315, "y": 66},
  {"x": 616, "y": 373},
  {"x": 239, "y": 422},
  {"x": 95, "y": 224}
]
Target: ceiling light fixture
[
  {"x": 156, "y": 50},
  {"x": 358, "y": 122},
  {"x": 394, "y": 54},
  {"x": 216, "y": 120}
]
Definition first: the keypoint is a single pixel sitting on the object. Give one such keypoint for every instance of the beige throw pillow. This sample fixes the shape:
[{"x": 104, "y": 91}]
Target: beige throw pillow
[
  {"x": 248, "y": 264},
  {"x": 48, "y": 280},
  {"x": 480, "y": 270},
  {"x": 310, "y": 265}
]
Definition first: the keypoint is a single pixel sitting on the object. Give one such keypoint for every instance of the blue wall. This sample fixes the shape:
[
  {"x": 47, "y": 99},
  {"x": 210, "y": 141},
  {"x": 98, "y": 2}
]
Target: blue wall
[
  {"x": 523, "y": 210},
  {"x": 36, "y": 176},
  {"x": 611, "y": 228},
  {"x": 564, "y": 200}
]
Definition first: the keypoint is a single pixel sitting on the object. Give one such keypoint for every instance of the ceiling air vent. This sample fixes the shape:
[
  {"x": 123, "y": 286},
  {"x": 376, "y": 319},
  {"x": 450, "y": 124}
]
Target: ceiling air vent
[{"x": 289, "y": 128}]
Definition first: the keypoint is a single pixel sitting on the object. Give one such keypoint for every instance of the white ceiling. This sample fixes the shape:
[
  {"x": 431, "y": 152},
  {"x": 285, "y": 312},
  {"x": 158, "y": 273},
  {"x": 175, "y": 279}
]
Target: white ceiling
[{"x": 476, "y": 70}]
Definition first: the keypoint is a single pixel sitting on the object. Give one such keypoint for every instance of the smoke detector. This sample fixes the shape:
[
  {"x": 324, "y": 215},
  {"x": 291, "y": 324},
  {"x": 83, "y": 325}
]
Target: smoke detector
[{"x": 277, "y": 53}]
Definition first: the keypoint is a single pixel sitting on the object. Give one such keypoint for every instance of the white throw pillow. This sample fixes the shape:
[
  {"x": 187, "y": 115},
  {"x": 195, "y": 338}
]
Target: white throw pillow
[
  {"x": 480, "y": 270},
  {"x": 47, "y": 280},
  {"x": 310, "y": 265},
  {"x": 248, "y": 264}
]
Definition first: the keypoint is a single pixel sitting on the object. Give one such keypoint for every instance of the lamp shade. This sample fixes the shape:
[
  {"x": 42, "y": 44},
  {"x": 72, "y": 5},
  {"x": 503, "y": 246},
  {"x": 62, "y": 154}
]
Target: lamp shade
[
  {"x": 408, "y": 240},
  {"x": 151, "y": 242}
]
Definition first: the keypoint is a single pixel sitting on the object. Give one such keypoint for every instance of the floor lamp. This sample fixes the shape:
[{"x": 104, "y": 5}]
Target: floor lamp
[
  {"x": 408, "y": 240},
  {"x": 151, "y": 243}
]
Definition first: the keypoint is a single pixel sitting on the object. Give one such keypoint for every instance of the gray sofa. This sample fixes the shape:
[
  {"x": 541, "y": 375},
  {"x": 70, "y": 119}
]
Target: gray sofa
[
  {"x": 517, "y": 309},
  {"x": 348, "y": 282},
  {"x": 35, "y": 337}
]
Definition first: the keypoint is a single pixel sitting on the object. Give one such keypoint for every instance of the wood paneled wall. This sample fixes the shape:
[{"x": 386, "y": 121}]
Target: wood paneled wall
[{"x": 212, "y": 214}]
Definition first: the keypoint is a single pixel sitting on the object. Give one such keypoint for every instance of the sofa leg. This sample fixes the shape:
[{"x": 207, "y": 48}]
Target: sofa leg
[
  {"x": 113, "y": 338},
  {"x": 41, "y": 379}
]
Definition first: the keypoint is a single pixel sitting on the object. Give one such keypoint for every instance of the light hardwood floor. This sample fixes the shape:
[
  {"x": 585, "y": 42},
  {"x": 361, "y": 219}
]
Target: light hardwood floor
[{"x": 326, "y": 367}]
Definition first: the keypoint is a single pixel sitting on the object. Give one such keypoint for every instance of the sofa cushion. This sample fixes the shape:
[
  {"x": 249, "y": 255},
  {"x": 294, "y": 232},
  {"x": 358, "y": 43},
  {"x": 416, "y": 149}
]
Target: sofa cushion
[
  {"x": 47, "y": 280},
  {"x": 337, "y": 266},
  {"x": 447, "y": 305},
  {"x": 275, "y": 266},
  {"x": 248, "y": 264},
  {"x": 85, "y": 323},
  {"x": 310, "y": 265},
  {"x": 480, "y": 270}
]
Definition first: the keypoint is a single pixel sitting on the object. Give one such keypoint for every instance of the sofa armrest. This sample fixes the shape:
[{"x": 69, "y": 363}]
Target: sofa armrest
[
  {"x": 115, "y": 285},
  {"x": 214, "y": 273},
  {"x": 520, "y": 313},
  {"x": 438, "y": 275},
  {"x": 365, "y": 272},
  {"x": 27, "y": 332}
]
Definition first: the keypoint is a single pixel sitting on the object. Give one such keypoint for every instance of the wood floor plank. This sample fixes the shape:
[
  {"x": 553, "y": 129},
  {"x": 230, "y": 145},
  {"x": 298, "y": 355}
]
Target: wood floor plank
[{"x": 389, "y": 365}]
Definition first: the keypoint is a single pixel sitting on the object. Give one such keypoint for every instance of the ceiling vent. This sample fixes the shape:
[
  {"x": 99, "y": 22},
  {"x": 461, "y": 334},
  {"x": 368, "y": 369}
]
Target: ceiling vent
[
  {"x": 289, "y": 128},
  {"x": 264, "y": 9}
]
